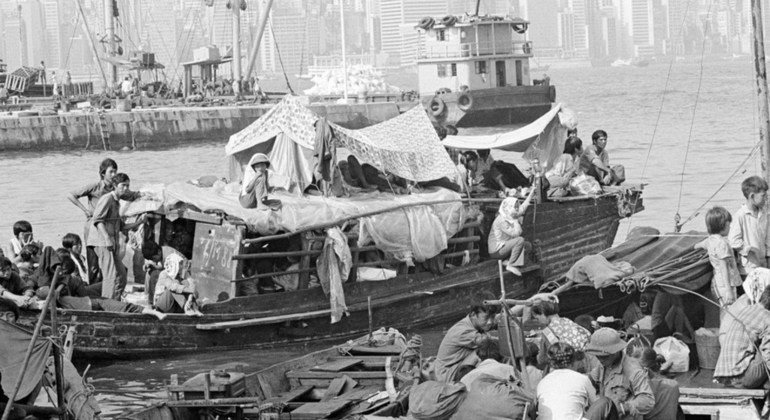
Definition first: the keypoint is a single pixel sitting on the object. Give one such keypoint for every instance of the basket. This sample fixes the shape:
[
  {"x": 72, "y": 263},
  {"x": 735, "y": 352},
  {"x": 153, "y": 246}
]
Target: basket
[{"x": 707, "y": 345}]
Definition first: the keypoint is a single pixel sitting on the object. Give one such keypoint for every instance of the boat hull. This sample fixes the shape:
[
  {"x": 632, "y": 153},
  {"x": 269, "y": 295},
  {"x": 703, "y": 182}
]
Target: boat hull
[{"x": 562, "y": 233}]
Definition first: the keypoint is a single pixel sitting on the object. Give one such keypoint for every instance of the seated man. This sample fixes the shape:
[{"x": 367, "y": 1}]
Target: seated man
[
  {"x": 497, "y": 175},
  {"x": 595, "y": 161},
  {"x": 461, "y": 342},
  {"x": 12, "y": 288},
  {"x": 255, "y": 185},
  {"x": 618, "y": 376},
  {"x": 739, "y": 364}
]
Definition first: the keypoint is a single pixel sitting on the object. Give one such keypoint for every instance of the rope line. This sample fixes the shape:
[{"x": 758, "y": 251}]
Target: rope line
[
  {"x": 660, "y": 113},
  {"x": 692, "y": 118}
]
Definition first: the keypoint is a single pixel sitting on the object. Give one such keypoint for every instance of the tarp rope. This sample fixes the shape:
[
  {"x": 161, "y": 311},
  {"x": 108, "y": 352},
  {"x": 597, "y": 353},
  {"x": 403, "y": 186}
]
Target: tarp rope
[
  {"x": 660, "y": 112},
  {"x": 677, "y": 216},
  {"x": 695, "y": 213}
]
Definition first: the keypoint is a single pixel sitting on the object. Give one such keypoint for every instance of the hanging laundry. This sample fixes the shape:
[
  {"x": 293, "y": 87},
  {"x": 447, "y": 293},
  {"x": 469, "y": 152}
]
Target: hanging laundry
[{"x": 333, "y": 267}]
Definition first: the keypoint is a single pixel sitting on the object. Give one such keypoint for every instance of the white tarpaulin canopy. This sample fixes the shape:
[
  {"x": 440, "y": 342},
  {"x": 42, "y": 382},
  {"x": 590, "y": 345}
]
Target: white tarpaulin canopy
[{"x": 513, "y": 141}]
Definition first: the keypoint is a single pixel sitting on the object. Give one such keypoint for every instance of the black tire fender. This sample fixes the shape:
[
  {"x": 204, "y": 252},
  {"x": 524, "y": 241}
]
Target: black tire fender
[
  {"x": 465, "y": 101},
  {"x": 437, "y": 106}
]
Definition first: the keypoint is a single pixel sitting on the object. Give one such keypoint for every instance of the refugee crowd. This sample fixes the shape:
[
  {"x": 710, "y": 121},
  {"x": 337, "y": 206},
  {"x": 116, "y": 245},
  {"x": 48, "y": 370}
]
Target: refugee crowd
[
  {"x": 607, "y": 368},
  {"x": 89, "y": 270}
]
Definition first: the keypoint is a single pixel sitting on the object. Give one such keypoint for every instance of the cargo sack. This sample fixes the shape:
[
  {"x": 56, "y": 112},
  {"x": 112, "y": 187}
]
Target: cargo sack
[
  {"x": 433, "y": 400},
  {"x": 584, "y": 185},
  {"x": 492, "y": 398},
  {"x": 675, "y": 351}
]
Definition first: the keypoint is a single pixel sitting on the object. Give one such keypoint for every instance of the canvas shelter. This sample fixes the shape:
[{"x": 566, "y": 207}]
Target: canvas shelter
[
  {"x": 542, "y": 139},
  {"x": 406, "y": 145}
]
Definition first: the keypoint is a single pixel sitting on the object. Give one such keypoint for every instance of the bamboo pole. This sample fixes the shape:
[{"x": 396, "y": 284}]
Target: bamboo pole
[
  {"x": 91, "y": 42},
  {"x": 260, "y": 31},
  {"x": 760, "y": 71},
  {"x": 57, "y": 355},
  {"x": 507, "y": 324},
  {"x": 368, "y": 214},
  {"x": 30, "y": 347}
]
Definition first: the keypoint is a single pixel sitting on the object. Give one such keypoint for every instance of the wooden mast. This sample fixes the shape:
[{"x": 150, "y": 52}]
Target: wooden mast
[
  {"x": 258, "y": 40},
  {"x": 760, "y": 70}
]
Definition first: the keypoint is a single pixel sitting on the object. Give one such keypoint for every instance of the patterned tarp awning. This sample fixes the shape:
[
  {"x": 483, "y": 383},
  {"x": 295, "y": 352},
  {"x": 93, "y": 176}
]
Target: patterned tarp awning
[
  {"x": 289, "y": 117},
  {"x": 406, "y": 145}
]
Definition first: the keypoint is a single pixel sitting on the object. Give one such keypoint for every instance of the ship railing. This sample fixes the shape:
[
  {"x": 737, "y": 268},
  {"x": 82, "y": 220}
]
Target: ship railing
[
  {"x": 475, "y": 49},
  {"x": 462, "y": 248}
]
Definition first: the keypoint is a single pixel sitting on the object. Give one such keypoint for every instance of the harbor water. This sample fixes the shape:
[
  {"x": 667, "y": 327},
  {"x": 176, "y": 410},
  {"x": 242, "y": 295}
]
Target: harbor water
[{"x": 688, "y": 157}]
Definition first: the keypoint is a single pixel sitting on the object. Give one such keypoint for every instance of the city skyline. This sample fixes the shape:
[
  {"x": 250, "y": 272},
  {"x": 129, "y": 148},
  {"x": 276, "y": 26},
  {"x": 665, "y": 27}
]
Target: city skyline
[{"x": 303, "y": 36}]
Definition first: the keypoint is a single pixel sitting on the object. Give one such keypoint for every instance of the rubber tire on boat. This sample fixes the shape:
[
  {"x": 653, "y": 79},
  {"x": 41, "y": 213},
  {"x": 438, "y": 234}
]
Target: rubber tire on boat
[
  {"x": 449, "y": 20},
  {"x": 527, "y": 48},
  {"x": 437, "y": 106},
  {"x": 465, "y": 101},
  {"x": 426, "y": 23}
]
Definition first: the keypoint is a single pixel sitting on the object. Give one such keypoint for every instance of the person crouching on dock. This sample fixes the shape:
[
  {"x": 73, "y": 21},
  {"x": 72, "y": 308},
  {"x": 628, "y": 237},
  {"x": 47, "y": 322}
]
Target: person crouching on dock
[{"x": 175, "y": 292}]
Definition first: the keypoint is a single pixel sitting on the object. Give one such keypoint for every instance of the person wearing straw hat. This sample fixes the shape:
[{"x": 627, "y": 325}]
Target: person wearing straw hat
[
  {"x": 255, "y": 185},
  {"x": 620, "y": 377}
]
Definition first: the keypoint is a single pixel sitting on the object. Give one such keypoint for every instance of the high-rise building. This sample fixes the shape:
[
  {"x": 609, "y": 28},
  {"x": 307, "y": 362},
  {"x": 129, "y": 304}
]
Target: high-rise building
[
  {"x": 31, "y": 12},
  {"x": 397, "y": 25},
  {"x": 53, "y": 35},
  {"x": 580, "y": 34},
  {"x": 544, "y": 17}
]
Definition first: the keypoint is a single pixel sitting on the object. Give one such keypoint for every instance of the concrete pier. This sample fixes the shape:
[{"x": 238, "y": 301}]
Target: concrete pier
[{"x": 165, "y": 127}]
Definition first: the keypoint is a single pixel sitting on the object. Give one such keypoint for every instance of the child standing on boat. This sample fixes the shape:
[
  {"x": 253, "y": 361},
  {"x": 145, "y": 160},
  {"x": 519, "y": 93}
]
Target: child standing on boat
[
  {"x": 505, "y": 240},
  {"x": 749, "y": 234},
  {"x": 726, "y": 276},
  {"x": 174, "y": 292}
]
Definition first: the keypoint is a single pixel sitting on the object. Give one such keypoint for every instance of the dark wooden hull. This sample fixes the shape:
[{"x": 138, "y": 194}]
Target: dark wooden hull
[{"x": 563, "y": 231}]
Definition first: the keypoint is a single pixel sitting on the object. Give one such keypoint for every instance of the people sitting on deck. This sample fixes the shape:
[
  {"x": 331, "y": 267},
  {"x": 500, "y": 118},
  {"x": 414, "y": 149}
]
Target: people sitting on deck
[
  {"x": 29, "y": 259},
  {"x": 505, "y": 237},
  {"x": 557, "y": 329},
  {"x": 175, "y": 291},
  {"x": 74, "y": 284},
  {"x": 749, "y": 234},
  {"x": 564, "y": 393},
  {"x": 72, "y": 243},
  {"x": 153, "y": 266},
  {"x": 256, "y": 186},
  {"x": 22, "y": 235},
  {"x": 726, "y": 278},
  {"x": 595, "y": 161},
  {"x": 619, "y": 377},
  {"x": 493, "y": 174},
  {"x": 565, "y": 168},
  {"x": 460, "y": 344},
  {"x": 665, "y": 391},
  {"x": 12, "y": 288},
  {"x": 367, "y": 177},
  {"x": 741, "y": 362}
]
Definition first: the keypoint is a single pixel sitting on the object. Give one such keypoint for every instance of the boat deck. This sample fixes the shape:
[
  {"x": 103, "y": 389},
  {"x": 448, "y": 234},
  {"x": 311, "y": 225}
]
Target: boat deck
[{"x": 699, "y": 395}]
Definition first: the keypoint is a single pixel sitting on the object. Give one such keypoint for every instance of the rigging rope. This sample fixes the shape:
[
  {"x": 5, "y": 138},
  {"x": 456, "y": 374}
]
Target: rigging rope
[
  {"x": 753, "y": 151},
  {"x": 677, "y": 217},
  {"x": 660, "y": 112},
  {"x": 280, "y": 60}
]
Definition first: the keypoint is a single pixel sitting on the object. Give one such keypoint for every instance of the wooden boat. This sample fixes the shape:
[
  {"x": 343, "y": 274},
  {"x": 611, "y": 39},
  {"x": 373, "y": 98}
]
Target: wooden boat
[
  {"x": 562, "y": 231},
  {"x": 334, "y": 383}
]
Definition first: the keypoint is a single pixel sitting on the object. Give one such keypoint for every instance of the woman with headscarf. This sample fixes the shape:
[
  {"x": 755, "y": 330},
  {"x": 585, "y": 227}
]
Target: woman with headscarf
[
  {"x": 505, "y": 240},
  {"x": 175, "y": 292}
]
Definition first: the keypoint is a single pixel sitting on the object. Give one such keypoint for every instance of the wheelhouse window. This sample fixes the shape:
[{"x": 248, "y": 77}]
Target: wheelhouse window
[
  {"x": 481, "y": 67},
  {"x": 440, "y": 35},
  {"x": 441, "y": 70},
  {"x": 453, "y": 68}
]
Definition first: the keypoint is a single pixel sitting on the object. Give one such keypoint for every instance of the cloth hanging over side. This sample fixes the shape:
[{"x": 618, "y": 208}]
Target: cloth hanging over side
[
  {"x": 324, "y": 151},
  {"x": 289, "y": 159},
  {"x": 596, "y": 270},
  {"x": 13, "y": 349},
  {"x": 333, "y": 266}
]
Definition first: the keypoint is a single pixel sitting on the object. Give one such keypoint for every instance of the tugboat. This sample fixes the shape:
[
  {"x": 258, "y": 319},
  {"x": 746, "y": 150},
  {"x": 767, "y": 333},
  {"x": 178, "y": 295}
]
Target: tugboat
[{"x": 473, "y": 71}]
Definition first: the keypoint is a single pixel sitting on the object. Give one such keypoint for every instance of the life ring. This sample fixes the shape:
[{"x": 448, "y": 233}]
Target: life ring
[
  {"x": 520, "y": 28},
  {"x": 527, "y": 48},
  {"x": 426, "y": 23},
  {"x": 465, "y": 101},
  {"x": 437, "y": 106},
  {"x": 449, "y": 20}
]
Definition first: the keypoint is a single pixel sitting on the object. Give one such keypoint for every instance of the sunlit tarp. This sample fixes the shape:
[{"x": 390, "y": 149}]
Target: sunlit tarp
[
  {"x": 513, "y": 141},
  {"x": 406, "y": 145}
]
